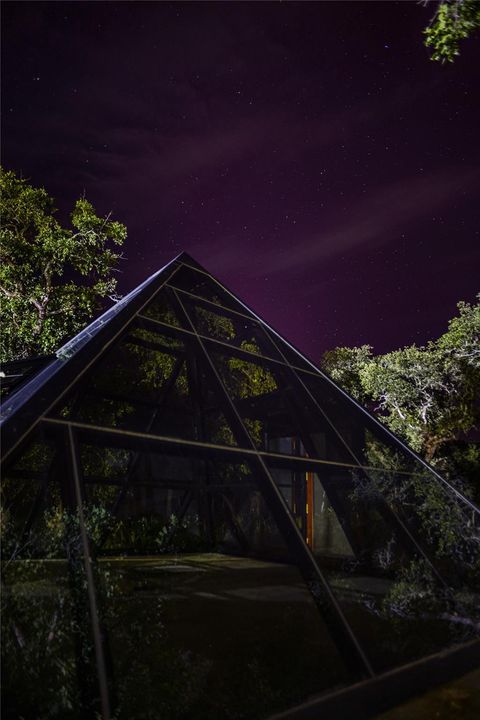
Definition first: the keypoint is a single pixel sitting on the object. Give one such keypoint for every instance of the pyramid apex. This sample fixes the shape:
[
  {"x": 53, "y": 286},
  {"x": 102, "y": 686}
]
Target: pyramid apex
[{"x": 187, "y": 259}]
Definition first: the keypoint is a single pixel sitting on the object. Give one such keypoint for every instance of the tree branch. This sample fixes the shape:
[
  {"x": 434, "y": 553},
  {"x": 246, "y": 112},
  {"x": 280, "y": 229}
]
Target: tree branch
[{"x": 9, "y": 294}]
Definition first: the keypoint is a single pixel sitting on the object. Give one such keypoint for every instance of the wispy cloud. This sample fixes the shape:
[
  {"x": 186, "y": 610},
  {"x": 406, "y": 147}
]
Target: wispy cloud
[{"x": 374, "y": 221}]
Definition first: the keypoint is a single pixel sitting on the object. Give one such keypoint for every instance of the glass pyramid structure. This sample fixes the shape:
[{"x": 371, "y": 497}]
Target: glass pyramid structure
[{"x": 198, "y": 523}]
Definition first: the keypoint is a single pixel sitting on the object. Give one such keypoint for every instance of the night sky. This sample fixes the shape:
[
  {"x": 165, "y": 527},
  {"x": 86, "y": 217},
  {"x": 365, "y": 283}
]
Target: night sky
[{"x": 309, "y": 155}]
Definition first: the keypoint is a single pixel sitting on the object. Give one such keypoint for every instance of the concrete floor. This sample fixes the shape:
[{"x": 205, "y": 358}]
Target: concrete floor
[
  {"x": 261, "y": 611},
  {"x": 457, "y": 700}
]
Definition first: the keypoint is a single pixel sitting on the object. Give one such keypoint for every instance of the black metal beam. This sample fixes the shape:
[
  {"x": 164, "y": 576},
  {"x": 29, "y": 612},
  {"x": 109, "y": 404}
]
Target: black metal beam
[
  {"x": 182, "y": 333},
  {"x": 365, "y": 700},
  {"x": 131, "y": 439},
  {"x": 333, "y": 496},
  {"x": 349, "y": 647},
  {"x": 131, "y": 339},
  {"x": 210, "y": 305},
  {"x": 168, "y": 484},
  {"x": 74, "y": 461},
  {"x": 163, "y": 394},
  {"x": 390, "y": 516},
  {"x": 66, "y": 372},
  {"x": 309, "y": 368}
]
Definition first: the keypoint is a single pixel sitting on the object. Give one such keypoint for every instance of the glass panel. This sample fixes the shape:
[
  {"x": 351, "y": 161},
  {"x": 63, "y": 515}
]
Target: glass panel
[
  {"x": 287, "y": 353},
  {"x": 47, "y": 662},
  {"x": 161, "y": 309},
  {"x": 152, "y": 491},
  {"x": 382, "y": 562},
  {"x": 200, "y": 284},
  {"x": 443, "y": 524},
  {"x": 435, "y": 516},
  {"x": 192, "y": 560},
  {"x": 280, "y": 417},
  {"x": 369, "y": 443},
  {"x": 327, "y": 537},
  {"x": 313, "y": 512},
  {"x": 150, "y": 382},
  {"x": 231, "y": 328}
]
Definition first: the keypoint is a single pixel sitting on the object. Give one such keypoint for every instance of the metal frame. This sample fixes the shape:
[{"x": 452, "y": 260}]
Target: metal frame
[
  {"x": 30, "y": 407},
  {"x": 36, "y": 398},
  {"x": 349, "y": 647},
  {"x": 364, "y": 700},
  {"x": 87, "y": 560}
]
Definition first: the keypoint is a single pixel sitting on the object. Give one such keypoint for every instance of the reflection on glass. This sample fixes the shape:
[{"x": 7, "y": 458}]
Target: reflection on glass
[
  {"x": 313, "y": 512},
  {"x": 231, "y": 328},
  {"x": 151, "y": 383},
  {"x": 278, "y": 413},
  {"x": 369, "y": 444},
  {"x": 47, "y": 669},
  {"x": 200, "y": 284},
  {"x": 203, "y": 608},
  {"x": 287, "y": 353},
  {"x": 188, "y": 557},
  {"x": 398, "y": 553},
  {"x": 161, "y": 309}
]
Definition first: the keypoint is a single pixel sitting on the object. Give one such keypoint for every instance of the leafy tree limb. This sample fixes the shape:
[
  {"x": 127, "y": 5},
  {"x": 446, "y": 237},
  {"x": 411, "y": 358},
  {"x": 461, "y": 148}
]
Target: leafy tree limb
[
  {"x": 52, "y": 279},
  {"x": 454, "y": 20},
  {"x": 427, "y": 395}
]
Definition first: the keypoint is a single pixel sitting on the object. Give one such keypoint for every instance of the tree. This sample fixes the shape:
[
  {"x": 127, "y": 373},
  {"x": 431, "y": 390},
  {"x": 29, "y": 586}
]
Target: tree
[
  {"x": 426, "y": 395},
  {"x": 52, "y": 279},
  {"x": 454, "y": 20},
  {"x": 343, "y": 364}
]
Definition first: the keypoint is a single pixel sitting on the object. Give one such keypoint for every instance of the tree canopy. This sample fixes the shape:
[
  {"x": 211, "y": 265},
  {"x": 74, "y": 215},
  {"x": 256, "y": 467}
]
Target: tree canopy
[
  {"x": 453, "y": 21},
  {"x": 52, "y": 279},
  {"x": 427, "y": 395}
]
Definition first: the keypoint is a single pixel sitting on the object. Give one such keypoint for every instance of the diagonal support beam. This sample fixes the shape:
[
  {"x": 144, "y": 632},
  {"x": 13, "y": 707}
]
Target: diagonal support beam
[
  {"x": 344, "y": 637},
  {"x": 389, "y": 514},
  {"x": 164, "y": 391}
]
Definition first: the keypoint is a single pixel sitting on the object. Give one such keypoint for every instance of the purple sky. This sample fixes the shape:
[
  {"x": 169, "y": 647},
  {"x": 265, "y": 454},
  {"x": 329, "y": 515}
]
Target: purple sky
[{"x": 308, "y": 154}]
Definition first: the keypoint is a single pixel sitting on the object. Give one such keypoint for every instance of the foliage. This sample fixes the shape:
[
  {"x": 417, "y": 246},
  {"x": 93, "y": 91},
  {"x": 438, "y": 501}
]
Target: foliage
[
  {"x": 51, "y": 278},
  {"x": 143, "y": 534},
  {"x": 154, "y": 366},
  {"x": 414, "y": 590},
  {"x": 416, "y": 593},
  {"x": 48, "y": 669},
  {"x": 214, "y": 325},
  {"x": 46, "y": 636},
  {"x": 343, "y": 364},
  {"x": 245, "y": 379},
  {"x": 427, "y": 395},
  {"x": 39, "y": 629},
  {"x": 447, "y": 528},
  {"x": 161, "y": 310},
  {"x": 454, "y": 20},
  {"x": 420, "y": 395}
]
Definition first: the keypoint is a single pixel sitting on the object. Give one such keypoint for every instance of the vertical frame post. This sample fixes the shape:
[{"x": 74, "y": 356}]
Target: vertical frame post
[{"x": 97, "y": 637}]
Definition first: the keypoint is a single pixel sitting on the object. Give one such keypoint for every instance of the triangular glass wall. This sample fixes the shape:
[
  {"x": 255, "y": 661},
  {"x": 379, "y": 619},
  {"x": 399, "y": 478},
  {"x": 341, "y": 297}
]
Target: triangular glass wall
[{"x": 199, "y": 524}]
